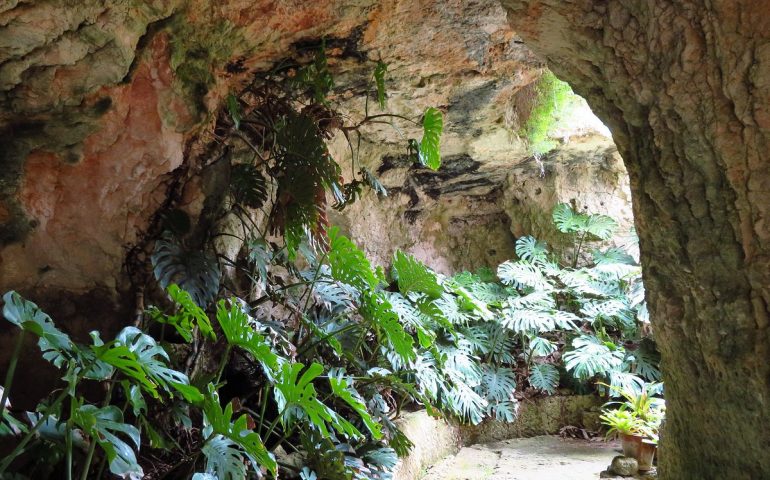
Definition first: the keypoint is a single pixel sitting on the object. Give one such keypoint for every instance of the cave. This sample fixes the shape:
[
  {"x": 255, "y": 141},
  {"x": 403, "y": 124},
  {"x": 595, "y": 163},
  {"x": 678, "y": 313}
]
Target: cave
[{"x": 113, "y": 115}]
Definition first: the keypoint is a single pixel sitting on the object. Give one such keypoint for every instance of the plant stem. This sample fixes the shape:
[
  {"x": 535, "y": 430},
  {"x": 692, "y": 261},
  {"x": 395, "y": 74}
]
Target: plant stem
[
  {"x": 10, "y": 373},
  {"x": 68, "y": 445},
  {"x": 92, "y": 447},
  {"x": 24, "y": 441},
  {"x": 223, "y": 364}
]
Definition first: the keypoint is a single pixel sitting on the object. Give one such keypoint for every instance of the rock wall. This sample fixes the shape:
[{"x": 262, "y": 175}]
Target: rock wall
[
  {"x": 469, "y": 214},
  {"x": 107, "y": 112}
]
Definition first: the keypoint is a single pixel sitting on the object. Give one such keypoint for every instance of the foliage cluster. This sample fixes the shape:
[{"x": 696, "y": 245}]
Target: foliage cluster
[
  {"x": 300, "y": 360},
  {"x": 358, "y": 347},
  {"x": 553, "y": 98}
]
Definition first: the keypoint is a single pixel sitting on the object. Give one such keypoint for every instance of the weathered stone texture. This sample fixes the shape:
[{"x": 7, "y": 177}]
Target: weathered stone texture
[{"x": 683, "y": 87}]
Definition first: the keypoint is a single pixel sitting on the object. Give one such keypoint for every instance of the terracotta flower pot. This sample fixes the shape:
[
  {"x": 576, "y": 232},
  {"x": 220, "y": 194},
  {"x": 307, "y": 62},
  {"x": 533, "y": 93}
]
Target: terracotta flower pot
[
  {"x": 631, "y": 445},
  {"x": 646, "y": 455}
]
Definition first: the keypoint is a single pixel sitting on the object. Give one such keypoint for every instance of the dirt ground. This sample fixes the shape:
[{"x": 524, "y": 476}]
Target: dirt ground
[{"x": 536, "y": 458}]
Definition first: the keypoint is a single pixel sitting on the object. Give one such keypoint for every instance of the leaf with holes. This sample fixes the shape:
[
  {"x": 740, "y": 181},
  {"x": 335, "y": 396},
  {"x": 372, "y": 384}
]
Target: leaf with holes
[
  {"x": 430, "y": 146},
  {"x": 194, "y": 271},
  {"x": 239, "y": 332},
  {"x": 57, "y": 347},
  {"x": 104, "y": 425},
  {"x": 296, "y": 398},
  {"x": 497, "y": 383},
  {"x": 342, "y": 387},
  {"x": 414, "y": 276},
  {"x": 188, "y": 315},
  {"x": 219, "y": 422},
  {"x": 248, "y": 185},
  {"x": 530, "y": 249},
  {"x": 545, "y": 377},
  {"x": 523, "y": 274},
  {"x": 224, "y": 460},
  {"x": 590, "y": 357},
  {"x": 378, "y": 310},
  {"x": 348, "y": 263}
]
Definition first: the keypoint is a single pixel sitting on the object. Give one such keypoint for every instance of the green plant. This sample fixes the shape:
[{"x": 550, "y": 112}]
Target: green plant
[
  {"x": 641, "y": 408},
  {"x": 553, "y": 98},
  {"x": 620, "y": 422}
]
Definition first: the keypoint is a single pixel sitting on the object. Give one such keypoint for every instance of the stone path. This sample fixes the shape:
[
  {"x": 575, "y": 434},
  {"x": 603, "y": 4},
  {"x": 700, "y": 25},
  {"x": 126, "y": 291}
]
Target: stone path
[{"x": 537, "y": 458}]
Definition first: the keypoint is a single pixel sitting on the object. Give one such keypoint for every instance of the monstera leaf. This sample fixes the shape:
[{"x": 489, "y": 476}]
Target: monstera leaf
[
  {"x": 194, "y": 271},
  {"x": 430, "y": 146},
  {"x": 248, "y": 185},
  {"x": 105, "y": 427},
  {"x": 413, "y": 276},
  {"x": 296, "y": 398},
  {"x": 379, "y": 79}
]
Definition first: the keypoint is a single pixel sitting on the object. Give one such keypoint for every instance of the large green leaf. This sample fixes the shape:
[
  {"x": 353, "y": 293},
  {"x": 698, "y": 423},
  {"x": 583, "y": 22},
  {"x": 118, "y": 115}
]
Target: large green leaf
[
  {"x": 348, "y": 263},
  {"x": 430, "y": 146},
  {"x": 194, "y": 271},
  {"x": 224, "y": 459},
  {"x": 57, "y": 347},
  {"x": 139, "y": 357},
  {"x": 378, "y": 310},
  {"x": 104, "y": 425},
  {"x": 414, "y": 276},
  {"x": 523, "y": 274},
  {"x": 545, "y": 377},
  {"x": 590, "y": 357},
  {"x": 219, "y": 423},
  {"x": 188, "y": 315},
  {"x": 497, "y": 383},
  {"x": 342, "y": 387},
  {"x": 379, "y": 79},
  {"x": 530, "y": 249},
  {"x": 240, "y": 332},
  {"x": 248, "y": 185},
  {"x": 296, "y": 398}
]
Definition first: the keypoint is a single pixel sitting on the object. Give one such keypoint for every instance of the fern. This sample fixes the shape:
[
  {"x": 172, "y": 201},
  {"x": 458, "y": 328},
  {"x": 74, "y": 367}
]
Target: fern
[
  {"x": 545, "y": 377},
  {"x": 430, "y": 148},
  {"x": 194, "y": 271}
]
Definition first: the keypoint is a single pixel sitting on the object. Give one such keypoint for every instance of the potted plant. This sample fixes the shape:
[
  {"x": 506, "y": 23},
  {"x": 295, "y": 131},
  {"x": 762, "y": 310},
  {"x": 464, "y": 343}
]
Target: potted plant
[
  {"x": 625, "y": 425},
  {"x": 637, "y": 420}
]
